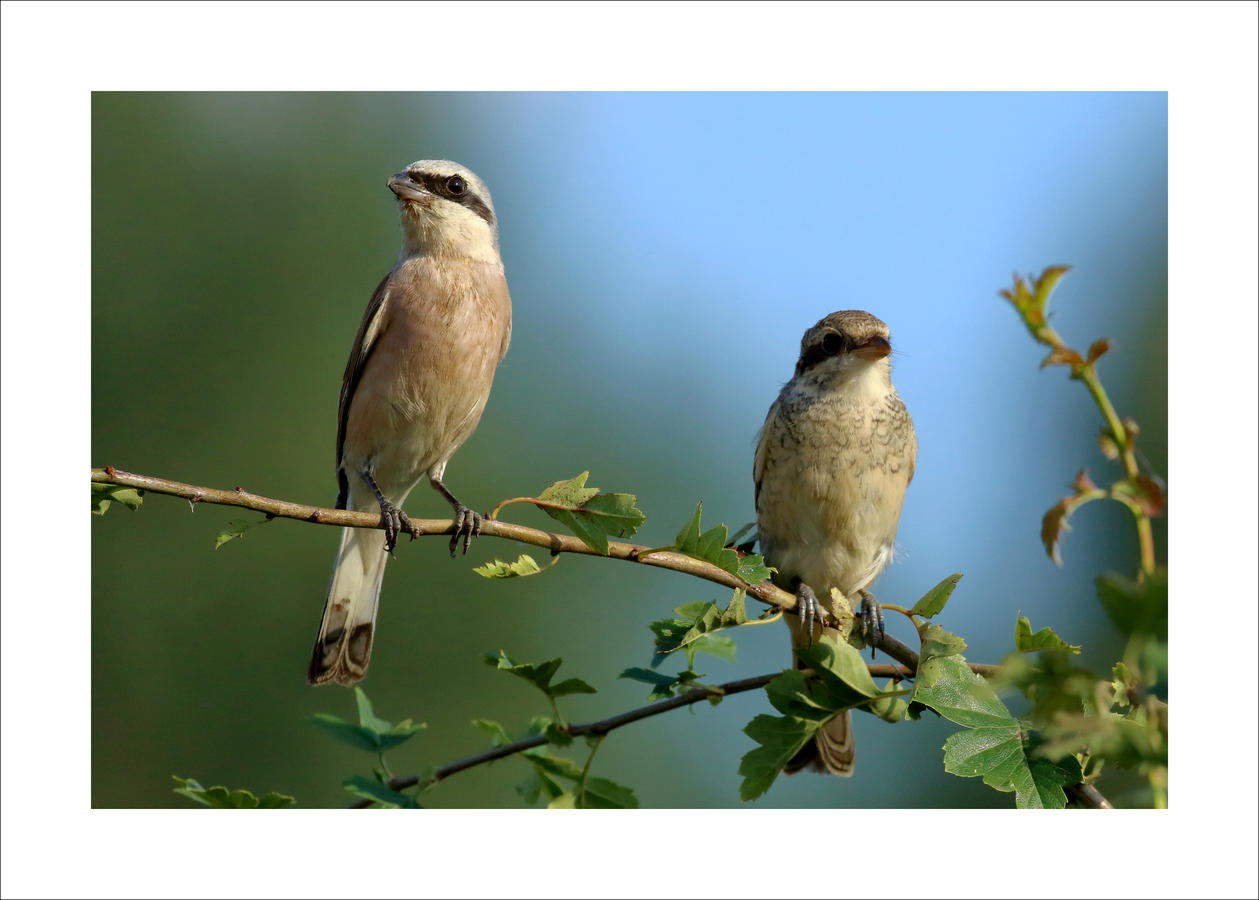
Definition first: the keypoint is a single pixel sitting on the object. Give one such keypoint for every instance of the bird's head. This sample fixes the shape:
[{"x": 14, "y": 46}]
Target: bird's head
[
  {"x": 446, "y": 210},
  {"x": 845, "y": 345}
]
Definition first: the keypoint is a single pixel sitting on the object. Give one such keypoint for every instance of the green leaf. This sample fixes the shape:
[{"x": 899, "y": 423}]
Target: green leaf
[
  {"x": 780, "y": 738},
  {"x": 496, "y": 732},
  {"x": 221, "y": 798},
  {"x": 933, "y": 601},
  {"x": 891, "y": 707},
  {"x": 354, "y": 735},
  {"x": 1045, "y": 639},
  {"x": 938, "y": 642},
  {"x": 523, "y": 566},
  {"x": 236, "y": 529},
  {"x": 539, "y": 675},
  {"x": 710, "y": 546},
  {"x": 696, "y": 624},
  {"x": 1136, "y": 607},
  {"x": 371, "y": 733},
  {"x": 999, "y": 755},
  {"x": 591, "y": 515},
  {"x": 601, "y": 793},
  {"x": 841, "y": 664},
  {"x": 104, "y": 494},
  {"x": 841, "y": 682},
  {"x": 947, "y": 685},
  {"x": 662, "y": 686},
  {"x": 566, "y": 800},
  {"x": 381, "y": 793}
]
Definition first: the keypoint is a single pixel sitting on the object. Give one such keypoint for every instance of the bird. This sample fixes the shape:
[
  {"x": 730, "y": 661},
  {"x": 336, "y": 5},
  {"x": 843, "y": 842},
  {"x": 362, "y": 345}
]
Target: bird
[
  {"x": 417, "y": 381},
  {"x": 833, "y": 461}
]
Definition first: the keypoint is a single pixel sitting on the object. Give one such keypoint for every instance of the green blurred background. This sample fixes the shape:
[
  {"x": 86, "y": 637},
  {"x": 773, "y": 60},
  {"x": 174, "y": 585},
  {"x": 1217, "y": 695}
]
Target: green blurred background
[{"x": 665, "y": 252}]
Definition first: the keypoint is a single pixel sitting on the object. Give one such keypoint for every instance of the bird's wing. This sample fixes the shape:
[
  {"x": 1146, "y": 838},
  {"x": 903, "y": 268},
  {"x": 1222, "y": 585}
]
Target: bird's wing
[{"x": 368, "y": 333}]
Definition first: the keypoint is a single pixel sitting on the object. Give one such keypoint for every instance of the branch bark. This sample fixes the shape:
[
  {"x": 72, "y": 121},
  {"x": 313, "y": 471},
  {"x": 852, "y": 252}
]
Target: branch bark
[
  {"x": 603, "y": 726},
  {"x": 556, "y": 543}
]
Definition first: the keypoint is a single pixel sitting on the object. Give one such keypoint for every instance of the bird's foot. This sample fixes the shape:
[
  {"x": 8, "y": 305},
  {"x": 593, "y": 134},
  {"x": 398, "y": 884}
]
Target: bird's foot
[
  {"x": 467, "y": 525},
  {"x": 871, "y": 621},
  {"x": 392, "y": 518},
  {"x": 395, "y": 521},
  {"x": 467, "y": 520},
  {"x": 809, "y": 610}
]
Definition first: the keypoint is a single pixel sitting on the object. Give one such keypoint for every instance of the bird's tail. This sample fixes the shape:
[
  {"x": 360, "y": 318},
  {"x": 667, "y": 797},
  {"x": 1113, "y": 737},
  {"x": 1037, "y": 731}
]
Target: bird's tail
[
  {"x": 832, "y": 748},
  {"x": 344, "y": 644}
]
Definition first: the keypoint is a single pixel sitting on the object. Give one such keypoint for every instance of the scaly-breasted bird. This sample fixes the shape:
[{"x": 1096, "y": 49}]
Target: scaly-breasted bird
[
  {"x": 418, "y": 378},
  {"x": 834, "y": 458}
]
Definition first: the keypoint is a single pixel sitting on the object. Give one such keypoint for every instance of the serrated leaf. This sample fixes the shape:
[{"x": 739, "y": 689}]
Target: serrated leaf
[
  {"x": 368, "y": 789},
  {"x": 695, "y": 626},
  {"x": 1045, "y": 639},
  {"x": 999, "y": 755},
  {"x": 710, "y": 546},
  {"x": 948, "y": 686},
  {"x": 938, "y": 642},
  {"x": 933, "y": 601},
  {"x": 591, "y": 515},
  {"x": 780, "y": 738},
  {"x": 221, "y": 798},
  {"x": 236, "y": 529},
  {"x": 523, "y": 566},
  {"x": 539, "y": 675},
  {"x": 104, "y": 494}
]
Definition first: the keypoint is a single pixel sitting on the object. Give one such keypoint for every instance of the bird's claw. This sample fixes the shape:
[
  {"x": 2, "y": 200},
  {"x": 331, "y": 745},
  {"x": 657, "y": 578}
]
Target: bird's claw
[
  {"x": 809, "y": 610},
  {"x": 467, "y": 525},
  {"x": 395, "y": 521},
  {"x": 871, "y": 621}
]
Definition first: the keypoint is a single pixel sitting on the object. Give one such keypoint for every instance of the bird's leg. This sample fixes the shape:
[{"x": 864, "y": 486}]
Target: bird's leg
[
  {"x": 467, "y": 520},
  {"x": 871, "y": 620},
  {"x": 809, "y": 609},
  {"x": 391, "y": 517}
]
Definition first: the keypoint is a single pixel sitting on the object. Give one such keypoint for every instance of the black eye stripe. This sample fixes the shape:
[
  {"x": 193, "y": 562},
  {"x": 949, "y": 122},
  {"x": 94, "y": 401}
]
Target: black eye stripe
[{"x": 440, "y": 185}]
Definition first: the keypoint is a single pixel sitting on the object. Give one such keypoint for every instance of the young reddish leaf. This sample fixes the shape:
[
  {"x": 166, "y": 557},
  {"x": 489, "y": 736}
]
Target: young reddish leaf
[
  {"x": 1062, "y": 356},
  {"x": 1100, "y": 346},
  {"x": 1055, "y": 522},
  {"x": 1082, "y": 482}
]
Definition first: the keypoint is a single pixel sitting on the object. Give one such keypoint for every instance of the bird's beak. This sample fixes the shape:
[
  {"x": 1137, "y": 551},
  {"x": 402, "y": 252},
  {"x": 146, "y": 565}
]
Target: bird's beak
[
  {"x": 874, "y": 349},
  {"x": 407, "y": 189}
]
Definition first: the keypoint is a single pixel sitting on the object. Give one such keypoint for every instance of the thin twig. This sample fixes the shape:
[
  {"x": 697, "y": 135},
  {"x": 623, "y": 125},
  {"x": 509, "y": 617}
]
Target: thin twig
[
  {"x": 603, "y": 726},
  {"x": 556, "y": 543},
  {"x": 888, "y": 644}
]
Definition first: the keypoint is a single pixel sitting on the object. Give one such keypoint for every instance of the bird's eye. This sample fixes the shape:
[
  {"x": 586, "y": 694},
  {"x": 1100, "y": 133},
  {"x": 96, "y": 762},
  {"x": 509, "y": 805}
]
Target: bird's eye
[
  {"x": 456, "y": 185},
  {"x": 832, "y": 344}
]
